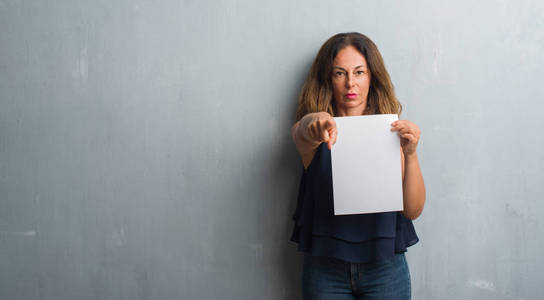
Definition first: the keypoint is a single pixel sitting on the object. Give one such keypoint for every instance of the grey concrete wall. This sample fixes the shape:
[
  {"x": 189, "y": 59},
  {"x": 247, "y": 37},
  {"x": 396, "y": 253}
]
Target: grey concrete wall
[{"x": 145, "y": 149}]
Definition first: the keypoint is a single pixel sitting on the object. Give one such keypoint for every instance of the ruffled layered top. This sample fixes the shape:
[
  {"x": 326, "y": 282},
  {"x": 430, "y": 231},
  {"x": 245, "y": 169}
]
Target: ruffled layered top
[{"x": 358, "y": 238}]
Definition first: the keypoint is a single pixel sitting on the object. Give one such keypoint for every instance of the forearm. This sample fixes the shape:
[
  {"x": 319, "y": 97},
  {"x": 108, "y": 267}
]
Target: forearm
[
  {"x": 413, "y": 187},
  {"x": 305, "y": 148}
]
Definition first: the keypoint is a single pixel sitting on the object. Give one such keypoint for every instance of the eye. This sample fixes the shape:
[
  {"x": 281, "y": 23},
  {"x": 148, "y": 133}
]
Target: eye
[
  {"x": 360, "y": 72},
  {"x": 338, "y": 73}
]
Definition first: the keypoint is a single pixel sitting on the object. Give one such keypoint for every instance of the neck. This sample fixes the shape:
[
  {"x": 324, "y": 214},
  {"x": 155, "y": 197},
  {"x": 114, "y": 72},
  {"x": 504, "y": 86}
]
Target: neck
[{"x": 347, "y": 112}]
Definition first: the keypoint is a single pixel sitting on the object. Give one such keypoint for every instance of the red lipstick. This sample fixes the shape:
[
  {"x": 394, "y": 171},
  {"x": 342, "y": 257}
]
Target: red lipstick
[{"x": 351, "y": 96}]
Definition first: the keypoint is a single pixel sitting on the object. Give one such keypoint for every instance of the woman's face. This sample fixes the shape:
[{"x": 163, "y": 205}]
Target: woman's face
[{"x": 350, "y": 81}]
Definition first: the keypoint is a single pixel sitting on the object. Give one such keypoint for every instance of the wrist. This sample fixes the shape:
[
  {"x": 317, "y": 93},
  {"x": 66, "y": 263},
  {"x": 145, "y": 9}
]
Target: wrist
[{"x": 410, "y": 156}]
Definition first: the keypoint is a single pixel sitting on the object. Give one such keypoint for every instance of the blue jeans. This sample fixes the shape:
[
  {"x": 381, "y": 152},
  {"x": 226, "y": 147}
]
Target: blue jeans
[{"x": 331, "y": 278}]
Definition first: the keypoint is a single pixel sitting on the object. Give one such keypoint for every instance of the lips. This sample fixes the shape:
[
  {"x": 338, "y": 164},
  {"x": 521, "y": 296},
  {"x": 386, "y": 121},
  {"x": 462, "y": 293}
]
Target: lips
[{"x": 351, "y": 96}]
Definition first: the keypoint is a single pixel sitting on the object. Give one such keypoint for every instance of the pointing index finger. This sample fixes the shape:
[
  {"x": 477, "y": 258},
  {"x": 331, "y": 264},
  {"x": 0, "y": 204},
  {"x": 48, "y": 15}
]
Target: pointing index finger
[{"x": 330, "y": 124}]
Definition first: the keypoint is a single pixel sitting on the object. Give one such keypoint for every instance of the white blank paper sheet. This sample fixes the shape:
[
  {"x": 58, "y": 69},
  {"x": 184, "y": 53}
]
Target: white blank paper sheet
[{"x": 366, "y": 165}]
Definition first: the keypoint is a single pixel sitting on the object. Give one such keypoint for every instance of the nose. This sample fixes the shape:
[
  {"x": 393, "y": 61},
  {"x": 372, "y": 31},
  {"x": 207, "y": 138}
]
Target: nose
[{"x": 350, "y": 82}]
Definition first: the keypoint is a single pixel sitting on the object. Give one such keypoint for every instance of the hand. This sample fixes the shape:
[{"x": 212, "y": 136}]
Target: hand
[
  {"x": 319, "y": 127},
  {"x": 409, "y": 135}
]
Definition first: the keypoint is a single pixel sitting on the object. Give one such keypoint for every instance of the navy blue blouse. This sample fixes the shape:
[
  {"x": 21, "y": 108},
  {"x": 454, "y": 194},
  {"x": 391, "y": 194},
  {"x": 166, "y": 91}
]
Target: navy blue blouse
[{"x": 354, "y": 238}]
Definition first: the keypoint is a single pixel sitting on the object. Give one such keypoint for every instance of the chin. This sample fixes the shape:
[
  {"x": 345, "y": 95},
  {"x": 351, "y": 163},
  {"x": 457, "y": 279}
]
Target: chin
[{"x": 354, "y": 104}]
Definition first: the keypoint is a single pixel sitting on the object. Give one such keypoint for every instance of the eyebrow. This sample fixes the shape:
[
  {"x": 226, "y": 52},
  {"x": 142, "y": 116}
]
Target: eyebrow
[{"x": 337, "y": 67}]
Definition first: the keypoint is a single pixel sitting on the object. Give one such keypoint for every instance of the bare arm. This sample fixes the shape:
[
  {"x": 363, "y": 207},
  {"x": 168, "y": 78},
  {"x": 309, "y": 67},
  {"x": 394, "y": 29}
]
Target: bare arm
[
  {"x": 413, "y": 187},
  {"x": 310, "y": 132}
]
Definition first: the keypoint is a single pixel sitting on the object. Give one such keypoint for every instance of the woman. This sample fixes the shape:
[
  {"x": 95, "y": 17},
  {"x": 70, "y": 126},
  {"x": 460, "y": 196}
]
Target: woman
[{"x": 351, "y": 256}]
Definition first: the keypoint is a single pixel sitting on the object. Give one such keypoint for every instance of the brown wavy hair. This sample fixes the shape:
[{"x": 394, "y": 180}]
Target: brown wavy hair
[{"x": 316, "y": 94}]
